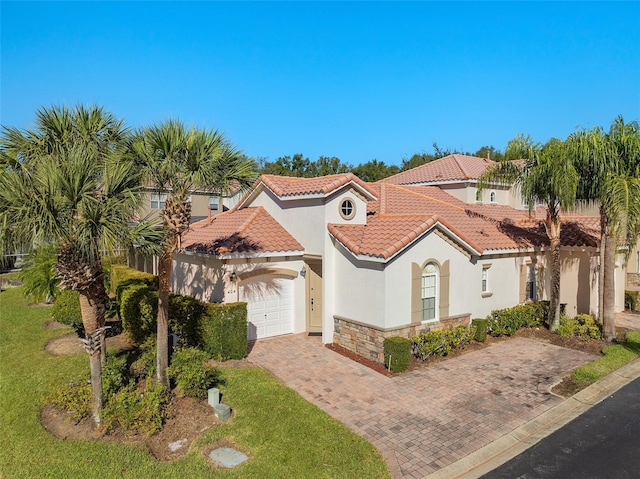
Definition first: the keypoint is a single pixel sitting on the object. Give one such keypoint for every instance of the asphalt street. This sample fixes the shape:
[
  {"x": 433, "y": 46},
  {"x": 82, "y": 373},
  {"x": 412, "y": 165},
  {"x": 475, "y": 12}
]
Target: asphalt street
[{"x": 604, "y": 442}]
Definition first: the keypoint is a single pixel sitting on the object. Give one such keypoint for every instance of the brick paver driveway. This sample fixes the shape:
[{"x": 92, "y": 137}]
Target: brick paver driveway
[{"x": 426, "y": 419}]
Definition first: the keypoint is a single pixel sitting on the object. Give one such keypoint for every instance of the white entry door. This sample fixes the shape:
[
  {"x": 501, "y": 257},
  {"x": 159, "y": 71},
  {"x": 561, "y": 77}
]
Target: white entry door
[{"x": 269, "y": 305}]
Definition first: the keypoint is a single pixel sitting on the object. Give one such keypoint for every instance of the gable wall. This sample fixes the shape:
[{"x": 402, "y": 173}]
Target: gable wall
[{"x": 303, "y": 219}]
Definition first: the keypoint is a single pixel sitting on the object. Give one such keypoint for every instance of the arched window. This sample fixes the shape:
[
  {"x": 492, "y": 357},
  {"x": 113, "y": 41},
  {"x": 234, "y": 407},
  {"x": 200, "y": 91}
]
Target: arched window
[
  {"x": 478, "y": 196},
  {"x": 430, "y": 292},
  {"x": 492, "y": 197}
]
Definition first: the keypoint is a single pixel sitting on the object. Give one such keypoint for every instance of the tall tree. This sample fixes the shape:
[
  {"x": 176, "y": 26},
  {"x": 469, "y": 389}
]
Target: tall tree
[
  {"x": 65, "y": 183},
  {"x": 176, "y": 160},
  {"x": 547, "y": 176},
  {"x": 375, "y": 170},
  {"x": 609, "y": 165}
]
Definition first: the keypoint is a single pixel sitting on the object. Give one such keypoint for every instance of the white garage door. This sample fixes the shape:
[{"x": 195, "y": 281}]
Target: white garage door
[{"x": 269, "y": 305}]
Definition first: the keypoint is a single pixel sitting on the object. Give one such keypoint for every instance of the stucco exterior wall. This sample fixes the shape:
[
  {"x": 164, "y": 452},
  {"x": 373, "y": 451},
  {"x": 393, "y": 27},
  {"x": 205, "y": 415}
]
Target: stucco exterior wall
[
  {"x": 200, "y": 276},
  {"x": 303, "y": 219},
  {"x": 359, "y": 289},
  {"x": 578, "y": 282}
]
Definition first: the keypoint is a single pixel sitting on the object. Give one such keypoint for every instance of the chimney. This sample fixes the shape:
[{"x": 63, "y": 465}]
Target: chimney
[
  {"x": 209, "y": 210},
  {"x": 489, "y": 155}
]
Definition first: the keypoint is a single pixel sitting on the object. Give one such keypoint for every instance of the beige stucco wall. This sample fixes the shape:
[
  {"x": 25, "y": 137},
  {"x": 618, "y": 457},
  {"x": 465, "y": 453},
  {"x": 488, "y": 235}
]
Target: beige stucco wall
[
  {"x": 578, "y": 282},
  {"x": 207, "y": 279},
  {"x": 200, "y": 276}
]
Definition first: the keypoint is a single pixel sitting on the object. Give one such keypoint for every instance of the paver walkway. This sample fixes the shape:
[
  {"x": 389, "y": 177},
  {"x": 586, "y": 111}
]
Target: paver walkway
[{"x": 426, "y": 419}]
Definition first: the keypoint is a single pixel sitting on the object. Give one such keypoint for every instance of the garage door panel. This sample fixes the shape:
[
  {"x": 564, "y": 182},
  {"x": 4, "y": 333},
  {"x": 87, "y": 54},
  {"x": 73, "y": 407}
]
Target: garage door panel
[{"x": 269, "y": 306}]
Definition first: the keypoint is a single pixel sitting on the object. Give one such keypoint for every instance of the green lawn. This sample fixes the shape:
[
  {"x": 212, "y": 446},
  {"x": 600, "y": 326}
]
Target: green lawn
[
  {"x": 613, "y": 357},
  {"x": 284, "y": 435}
]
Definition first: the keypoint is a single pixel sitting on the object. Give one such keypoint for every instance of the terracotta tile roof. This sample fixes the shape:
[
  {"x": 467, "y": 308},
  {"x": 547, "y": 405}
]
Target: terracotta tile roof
[
  {"x": 292, "y": 186},
  {"x": 396, "y": 217},
  {"x": 402, "y": 213},
  {"x": 248, "y": 230},
  {"x": 449, "y": 168}
]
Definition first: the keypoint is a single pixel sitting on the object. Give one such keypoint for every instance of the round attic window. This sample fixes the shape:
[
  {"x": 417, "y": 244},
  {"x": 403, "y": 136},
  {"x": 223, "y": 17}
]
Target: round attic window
[{"x": 347, "y": 209}]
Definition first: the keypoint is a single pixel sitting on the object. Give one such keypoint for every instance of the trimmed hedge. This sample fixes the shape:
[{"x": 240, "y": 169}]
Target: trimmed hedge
[
  {"x": 441, "y": 342},
  {"x": 481, "y": 327},
  {"x": 66, "y": 309},
  {"x": 138, "y": 310},
  {"x": 185, "y": 315},
  {"x": 397, "y": 353},
  {"x": 122, "y": 276},
  {"x": 505, "y": 322},
  {"x": 223, "y": 330}
]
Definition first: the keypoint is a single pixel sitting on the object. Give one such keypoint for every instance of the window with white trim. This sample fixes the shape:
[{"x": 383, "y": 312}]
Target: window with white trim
[
  {"x": 478, "y": 196},
  {"x": 485, "y": 279},
  {"x": 158, "y": 201},
  {"x": 429, "y": 292},
  {"x": 214, "y": 202},
  {"x": 492, "y": 197}
]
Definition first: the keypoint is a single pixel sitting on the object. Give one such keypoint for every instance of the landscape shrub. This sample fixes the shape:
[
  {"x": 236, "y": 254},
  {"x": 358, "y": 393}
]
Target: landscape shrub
[
  {"x": 185, "y": 316},
  {"x": 137, "y": 411},
  {"x": 66, "y": 310},
  {"x": 583, "y": 325},
  {"x": 115, "y": 375},
  {"x": 74, "y": 398},
  {"x": 138, "y": 311},
  {"x": 38, "y": 275},
  {"x": 144, "y": 366},
  {"x": 107, "y": 263},
  {"x": 192, "y": 376},
  {"x": 441, "y": 342},
  {"x": 631, "y": 300},
  {"x": 122, "y": 276},
  {"x": 481, "y": 327},
  {"x": 397, "y": 353},
  {"x": 505, "y": 322},
  {"x": 223, "y": 330}
]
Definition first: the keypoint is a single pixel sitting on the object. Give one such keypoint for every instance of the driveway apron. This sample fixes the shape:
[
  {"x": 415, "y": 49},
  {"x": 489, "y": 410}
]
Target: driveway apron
[{"x": 428, "y": 418}]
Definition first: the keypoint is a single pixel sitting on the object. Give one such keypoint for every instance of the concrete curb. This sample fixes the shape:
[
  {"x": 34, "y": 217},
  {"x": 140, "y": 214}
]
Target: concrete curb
[{"x": 520, "y": 439}]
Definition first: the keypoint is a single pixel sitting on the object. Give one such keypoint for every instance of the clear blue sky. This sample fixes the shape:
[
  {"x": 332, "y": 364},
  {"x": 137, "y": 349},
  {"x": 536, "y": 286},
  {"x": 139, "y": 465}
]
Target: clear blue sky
[{"x": 357, "y": 80}]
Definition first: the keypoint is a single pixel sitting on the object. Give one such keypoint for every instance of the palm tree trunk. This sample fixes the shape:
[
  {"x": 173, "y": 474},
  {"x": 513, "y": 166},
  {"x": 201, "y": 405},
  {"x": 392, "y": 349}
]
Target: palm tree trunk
[
  {"x": 92, "y": 309},
  {"x": 609, "y": 316},
  {"x": 164, "y": 276},
  {"x": 603, "y": 241},
  {"x": 554, "y": 299}
]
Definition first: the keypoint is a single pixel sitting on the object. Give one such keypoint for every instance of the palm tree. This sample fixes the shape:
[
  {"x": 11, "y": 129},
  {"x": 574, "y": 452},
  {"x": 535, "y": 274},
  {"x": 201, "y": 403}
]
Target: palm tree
[
  {"x": 609, "y": 165},
  {"x": 38, "y": 275},
  {"x": 547, "y": 177},
  {"x": 175, "y": 161},
  {"x": 66, "y": 184}
]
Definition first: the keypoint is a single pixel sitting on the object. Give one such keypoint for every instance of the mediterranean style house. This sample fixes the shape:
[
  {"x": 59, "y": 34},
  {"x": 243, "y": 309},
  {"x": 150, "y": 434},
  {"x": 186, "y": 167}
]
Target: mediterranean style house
[{"x": 356, "y": 262}]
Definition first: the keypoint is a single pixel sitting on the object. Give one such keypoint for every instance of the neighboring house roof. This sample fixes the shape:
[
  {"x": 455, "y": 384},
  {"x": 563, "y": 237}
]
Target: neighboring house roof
[
  {"x": 403, "y": 213},
  {"x": 249, "y": 230},
  {"x": 447, "y": 169}
]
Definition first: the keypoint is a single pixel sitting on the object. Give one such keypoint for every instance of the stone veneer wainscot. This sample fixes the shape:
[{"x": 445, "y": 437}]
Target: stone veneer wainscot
[{"x": 368, "y": 341}]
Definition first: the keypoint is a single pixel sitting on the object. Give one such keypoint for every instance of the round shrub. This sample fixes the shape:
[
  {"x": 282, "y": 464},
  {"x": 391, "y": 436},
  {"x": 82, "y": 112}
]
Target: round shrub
[{"x": 192, "y": 376}]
